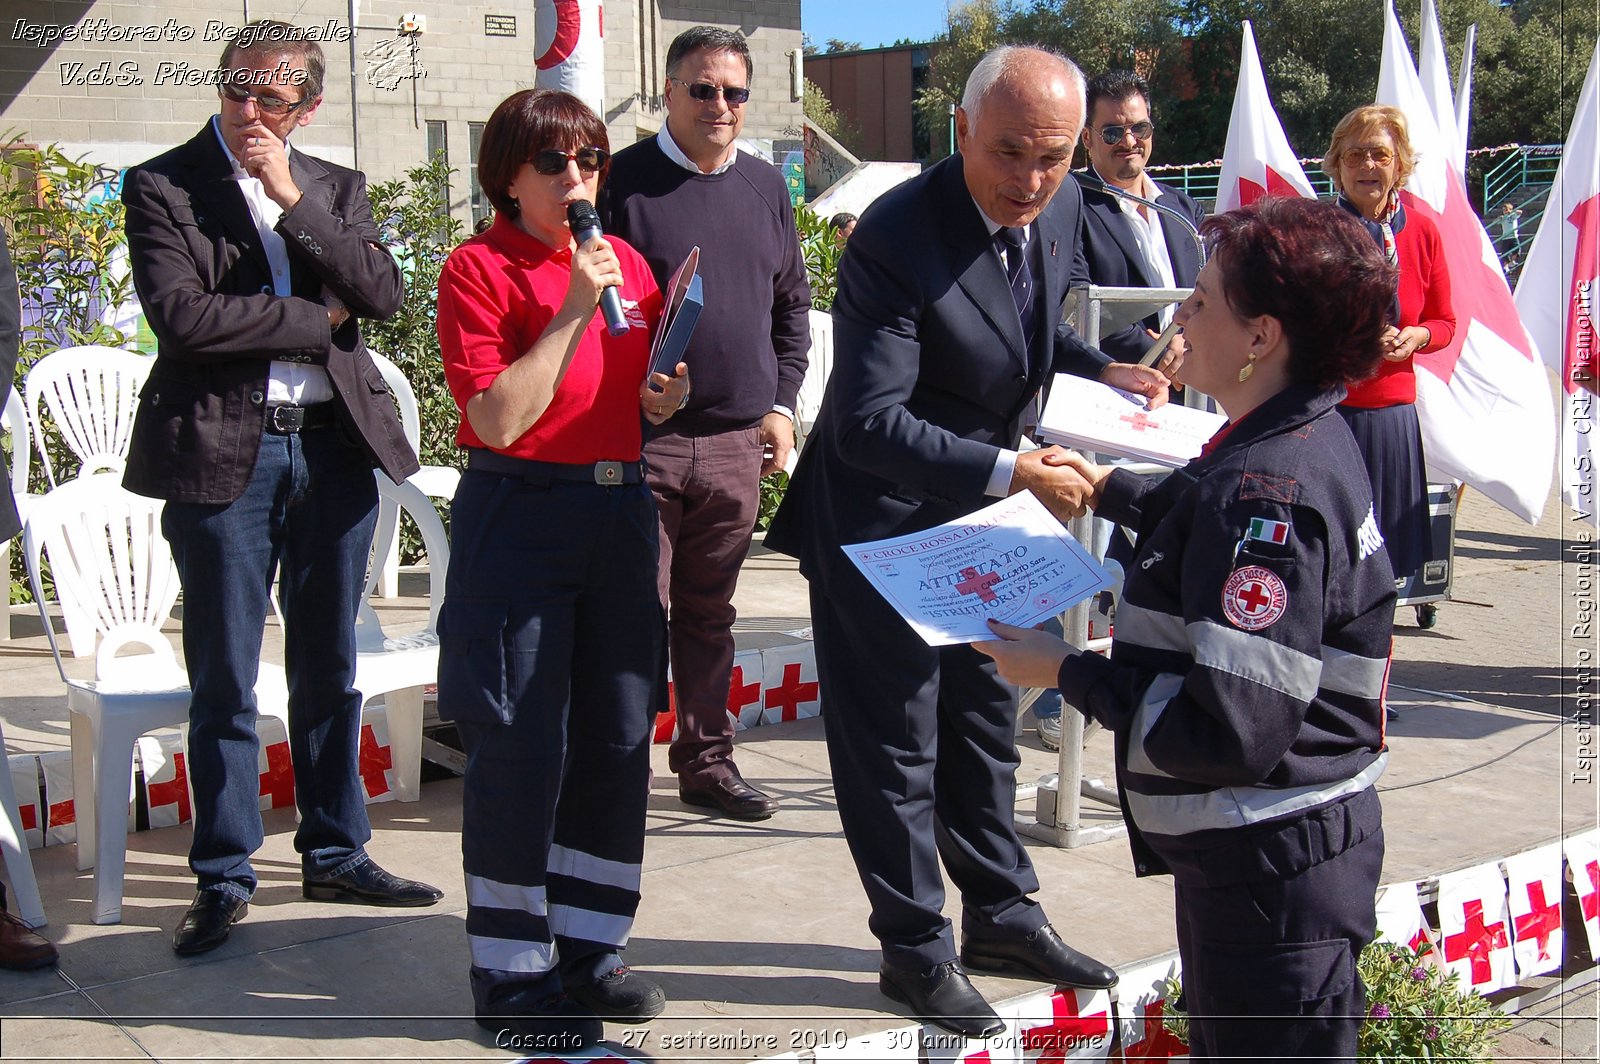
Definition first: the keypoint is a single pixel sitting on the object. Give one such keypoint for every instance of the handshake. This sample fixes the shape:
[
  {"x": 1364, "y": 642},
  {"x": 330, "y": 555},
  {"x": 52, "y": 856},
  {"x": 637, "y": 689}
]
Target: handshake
[{"x": 1065, "y": 481}]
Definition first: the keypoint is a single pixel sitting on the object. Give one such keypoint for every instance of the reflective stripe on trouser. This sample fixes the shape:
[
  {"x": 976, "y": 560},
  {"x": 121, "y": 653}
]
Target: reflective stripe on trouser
[{"x": 551, "y": 666}]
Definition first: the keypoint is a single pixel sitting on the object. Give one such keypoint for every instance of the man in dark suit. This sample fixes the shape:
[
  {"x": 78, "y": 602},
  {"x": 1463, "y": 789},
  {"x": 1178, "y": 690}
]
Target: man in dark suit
[
  {"x": 1125, "y": 244},
  {"x": 260, "y": 425},
  {"x": 945, "y": 327}
]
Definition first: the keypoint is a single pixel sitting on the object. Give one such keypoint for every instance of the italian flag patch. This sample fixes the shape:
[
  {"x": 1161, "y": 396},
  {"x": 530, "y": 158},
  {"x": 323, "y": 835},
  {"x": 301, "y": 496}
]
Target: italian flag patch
[{"x": 1268, "y": 531}]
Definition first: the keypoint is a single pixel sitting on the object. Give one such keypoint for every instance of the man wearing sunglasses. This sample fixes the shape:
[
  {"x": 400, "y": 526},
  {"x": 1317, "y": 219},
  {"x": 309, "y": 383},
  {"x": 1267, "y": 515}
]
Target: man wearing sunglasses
[
  {"x": 689, "y": 186},
  {"x": 260, "y": 425},
  {"x": 1125, "y": 244}
]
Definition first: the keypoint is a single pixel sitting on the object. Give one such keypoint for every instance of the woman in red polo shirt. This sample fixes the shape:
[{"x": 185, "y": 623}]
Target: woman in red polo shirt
[{"x": 551, "y": 662}]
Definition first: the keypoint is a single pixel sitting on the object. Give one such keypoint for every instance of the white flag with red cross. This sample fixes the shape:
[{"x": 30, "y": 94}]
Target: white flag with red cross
[
  {"x": 1141, "y": 998},
  {"x": 1433, "y": 73},
  {"x": 1400, "y": 916},
  {"x": 1557, "y": 291},
  {"x": 24, "y": 770},
  {"x": 1475, "y": 927},
  {"x": 1483, "y": 400},
  {"x": 789, "y": 683},
  {"x": 1583, "y": 866},
  {"x": 167, "y": 793},
  {"x": 744, "y": 689},
  {"x": 61, "y": 816},
  {"x": 1533, "y": 882},
  {"x": 375, "y": 760},
  {"x": 942, "y": 1047},
  {"x": 1256, "y": 159},
  {"x": 1060, "y": 1025},
  {"x": 273, "y": 764},
  {"x": 665, "y": 728}
]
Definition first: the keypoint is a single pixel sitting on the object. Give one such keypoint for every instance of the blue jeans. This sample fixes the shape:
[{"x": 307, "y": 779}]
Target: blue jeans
[{"x": 310, "y": 509}]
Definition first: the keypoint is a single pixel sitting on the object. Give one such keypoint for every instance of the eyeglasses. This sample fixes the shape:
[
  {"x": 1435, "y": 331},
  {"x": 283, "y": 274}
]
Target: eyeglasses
[
  {"x": 271, "y": 105},
  {"x": 705, "y": 93},
  {"x": 1357, "y": 156},
  {"x": 1114, "y": 134},
  {"x": 553, "y": 161}
]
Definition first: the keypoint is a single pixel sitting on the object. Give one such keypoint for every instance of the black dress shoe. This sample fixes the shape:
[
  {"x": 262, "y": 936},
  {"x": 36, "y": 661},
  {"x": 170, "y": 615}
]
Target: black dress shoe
[
  {"x": 368, "y": 884},
  {"x": 732, "y": 795},
  {"x": 943, "y": 996},
  {"x": 553, "y": 1024},
  {"x": 621, "y": 995},
  {"x": 205, "y": 926},
  {"x": 1040, "y": 954}
]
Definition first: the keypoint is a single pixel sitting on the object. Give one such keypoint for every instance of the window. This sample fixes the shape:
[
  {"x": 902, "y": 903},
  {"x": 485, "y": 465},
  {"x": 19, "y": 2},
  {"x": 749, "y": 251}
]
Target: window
[
  {"x": 481, "y": 207},
  {"x": 438, "y": 149}
]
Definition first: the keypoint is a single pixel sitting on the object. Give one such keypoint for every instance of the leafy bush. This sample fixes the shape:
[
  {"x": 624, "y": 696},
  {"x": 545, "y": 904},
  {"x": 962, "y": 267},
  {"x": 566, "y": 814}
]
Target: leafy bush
[
  {"x": 1414, "y": 1010},
  {"x": 821, "y": 252}
]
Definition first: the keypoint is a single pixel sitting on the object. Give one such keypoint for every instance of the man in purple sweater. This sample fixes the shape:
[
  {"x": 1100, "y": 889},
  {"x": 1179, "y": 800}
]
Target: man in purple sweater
[{"x": 689, "y": 185}]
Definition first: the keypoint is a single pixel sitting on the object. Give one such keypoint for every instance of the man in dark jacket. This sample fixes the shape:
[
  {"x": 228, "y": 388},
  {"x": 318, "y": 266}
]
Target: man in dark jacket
[{"x": 260, "y": 425}]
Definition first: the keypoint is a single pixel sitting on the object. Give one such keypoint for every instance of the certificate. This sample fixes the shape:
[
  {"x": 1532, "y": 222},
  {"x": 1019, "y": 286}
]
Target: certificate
[
  {"x": 1011, "y": 561},
  {"x": 1093, "y": 417}
]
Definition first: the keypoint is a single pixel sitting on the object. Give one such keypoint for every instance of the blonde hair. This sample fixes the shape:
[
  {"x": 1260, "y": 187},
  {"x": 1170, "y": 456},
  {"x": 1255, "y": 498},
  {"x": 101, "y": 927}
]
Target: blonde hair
[{"x": 1364, "y": 120}]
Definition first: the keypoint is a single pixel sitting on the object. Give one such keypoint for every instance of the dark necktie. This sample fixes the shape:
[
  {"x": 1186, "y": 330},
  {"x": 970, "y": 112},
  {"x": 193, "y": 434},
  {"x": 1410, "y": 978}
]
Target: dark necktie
[{"x": 1014, "y": 244}]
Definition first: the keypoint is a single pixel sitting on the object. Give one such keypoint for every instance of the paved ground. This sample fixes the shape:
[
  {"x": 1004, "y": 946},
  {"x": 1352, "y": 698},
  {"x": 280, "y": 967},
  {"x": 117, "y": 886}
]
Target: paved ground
[{"x": 759, "y": 932}]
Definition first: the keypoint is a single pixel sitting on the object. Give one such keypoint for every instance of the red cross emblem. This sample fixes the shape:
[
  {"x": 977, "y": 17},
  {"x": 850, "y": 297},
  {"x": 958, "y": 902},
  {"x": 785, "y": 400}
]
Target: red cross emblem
[
  {"x": 374, "y": 761},
  {"x": 1254, "y": 598},
  {"x": 1140, "y": 421},
  {"x": 741, "y": 694},
  {"x": 982, "y": 586},
  {"x": 791, "y": 693},
  {"x": 277, "y": 782},
  {"x": 1068, "y": 1032},
  {"x": 1476, "y": 942},
  {"x": 1591, "y": 900},
  {"x": 1542, "y": 922},
  {"x": 667, "y": 719},
  {"x": 175, "y": 791}
]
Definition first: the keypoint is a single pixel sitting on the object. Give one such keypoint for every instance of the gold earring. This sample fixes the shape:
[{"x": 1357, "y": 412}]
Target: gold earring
[{"x": 1249, "y": 368}]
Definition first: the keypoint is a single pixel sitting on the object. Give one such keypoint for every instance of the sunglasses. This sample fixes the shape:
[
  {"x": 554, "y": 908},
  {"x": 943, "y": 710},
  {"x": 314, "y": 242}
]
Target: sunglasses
[
  {"x": 553, "y": 161},
  {"x": 700, "y": 90},
  {"x": 1114, "y": 134},
  {"x": 1357, "y": 156},
  {"x": 271, "y": 105}
]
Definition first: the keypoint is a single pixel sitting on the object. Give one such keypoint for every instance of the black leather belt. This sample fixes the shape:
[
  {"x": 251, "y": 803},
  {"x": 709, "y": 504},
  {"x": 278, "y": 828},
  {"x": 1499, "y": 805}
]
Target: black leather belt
[
  {"x": 609, "y": 474},
  {"x": 286, "y": 419}
]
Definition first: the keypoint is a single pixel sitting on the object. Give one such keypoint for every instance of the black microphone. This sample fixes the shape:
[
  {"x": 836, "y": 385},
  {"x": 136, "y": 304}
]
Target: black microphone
[{"x": 585, "y": 223}]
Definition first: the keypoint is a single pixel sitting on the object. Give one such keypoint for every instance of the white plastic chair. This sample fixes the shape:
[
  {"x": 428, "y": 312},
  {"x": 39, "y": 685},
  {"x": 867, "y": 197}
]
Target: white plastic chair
[
  {"x": 815, "y": 384},
  {"x": 14, "y": 423},
  {"x": 398, "y": 667},
  {"x": 112, "y": 566},
  {"x": 437, "y": 481},
  {"x": 14, "y": 844},
  {"x": 92, "y": 394}
]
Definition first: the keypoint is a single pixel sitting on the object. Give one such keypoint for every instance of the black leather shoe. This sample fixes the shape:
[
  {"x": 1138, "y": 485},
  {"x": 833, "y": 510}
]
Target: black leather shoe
[
  {"x": 205, "y": 926},
  {"x": 368, "y": 884},
  {"x": 943, "y": 996},
  {"x": 1042, "y": 955},
  {"x": 554, "y": 1024},
  {"x": 621, "y": 995},
  {"x": 732, "y": 795}
]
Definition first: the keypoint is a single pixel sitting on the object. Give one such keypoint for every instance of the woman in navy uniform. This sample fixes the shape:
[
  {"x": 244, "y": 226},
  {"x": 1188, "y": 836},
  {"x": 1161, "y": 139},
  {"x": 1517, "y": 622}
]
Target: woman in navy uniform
[{"x": 1245, "y": 683}]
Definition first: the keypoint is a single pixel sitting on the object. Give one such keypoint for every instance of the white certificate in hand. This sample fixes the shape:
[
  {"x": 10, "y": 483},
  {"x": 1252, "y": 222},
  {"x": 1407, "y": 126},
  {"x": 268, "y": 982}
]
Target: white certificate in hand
[{"x": 1011, "y": 561}]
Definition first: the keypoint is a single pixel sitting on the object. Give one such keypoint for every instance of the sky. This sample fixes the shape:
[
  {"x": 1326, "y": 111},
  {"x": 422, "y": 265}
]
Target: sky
[{"x": 871, "y": 22}]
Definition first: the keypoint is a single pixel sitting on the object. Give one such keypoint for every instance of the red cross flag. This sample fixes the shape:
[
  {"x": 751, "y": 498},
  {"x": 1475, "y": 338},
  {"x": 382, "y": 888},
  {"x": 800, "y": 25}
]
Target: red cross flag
[
  {"x": 166, "y": 779},
  {"x": 1583, "y": 866},
  {"x": 666, "y": 726},
  {"x": 375, "y": 761},
  {"x": 61, "y": 817},
  {"x": 274, "y": 765},
  {"x": 789, "y": 683},
  {"x": 1400, "y": 916},
  {"x": 1483, "y": 401},
  {"x": 24, "y": 770},
  {"x": 1534, "y": 882},
  {"x": 1256, "y": 160},
  {"x": 1474, "y": 927},
  {"x": 744, "y": 690},
  {"x": 1556, "y": 293},
  {"x": 1061, "y": 1025},
  {"x": 1140, "y": 996}
]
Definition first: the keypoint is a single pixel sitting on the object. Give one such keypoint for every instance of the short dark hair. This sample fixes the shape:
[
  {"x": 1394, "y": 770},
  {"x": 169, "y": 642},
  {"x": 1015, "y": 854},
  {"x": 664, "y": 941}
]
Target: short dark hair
[
  {"x": 712, "y": 39},
  {"x": 1116, "y": 86},
  {"x": 525, "y": 124},
  {"x": 840, "y": 220},
  {"x": 272, "y": 39},
  {"x": 1315, "y": 268}
]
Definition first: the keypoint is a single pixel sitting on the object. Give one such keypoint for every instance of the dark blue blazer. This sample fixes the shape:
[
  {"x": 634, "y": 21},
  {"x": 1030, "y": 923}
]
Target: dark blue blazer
[
  {"x": 1112, "y": 257},
  {"x": 931, "y": 373}
]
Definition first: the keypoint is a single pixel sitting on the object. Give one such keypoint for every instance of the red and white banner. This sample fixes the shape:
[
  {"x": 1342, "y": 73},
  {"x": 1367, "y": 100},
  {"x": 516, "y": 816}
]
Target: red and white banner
[
  {"x": 1400, "y": 916},
  {"x": 1257, "y": 160},
  {"x": 1433, "y": 72},
  {"x": 666, "y": 725},
  {"x": 1475, "y": 928},
  {"x": 744, "y": 689},
  {"x": 24, "y": 770},
  {"x": 274, "y": 764},
  {"x": 165, "y": 766},
  {"x": 61, "y": 816},
  {"x": 1141, "y": 994},
  {"x": 375, "y": 761},
  {"x": 1533, "y": 882},
  {"x": 1484, "y": 401},
  {"x": 1556, "y": 293},
  {"x": 570, "y": 49},
  {"x": 1583, "y": 865},
  {"x": 1060, "y": 1025},
  {"x": 789, "y": 683}
]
